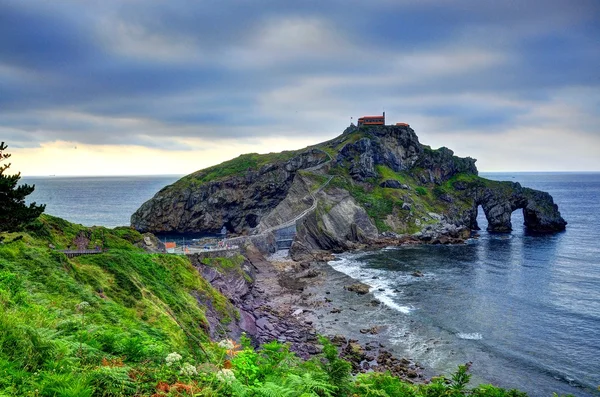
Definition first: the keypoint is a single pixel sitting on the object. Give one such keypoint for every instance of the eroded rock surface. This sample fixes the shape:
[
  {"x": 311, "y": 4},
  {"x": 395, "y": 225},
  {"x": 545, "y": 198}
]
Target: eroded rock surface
[
  {"x": 340, "y": 227},
  {"x": 238, "y": 202}
]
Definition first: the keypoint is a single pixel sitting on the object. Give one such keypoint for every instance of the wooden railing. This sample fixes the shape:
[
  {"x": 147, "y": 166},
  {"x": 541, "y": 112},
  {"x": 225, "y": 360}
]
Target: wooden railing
[{"x": 73, "y": 253}]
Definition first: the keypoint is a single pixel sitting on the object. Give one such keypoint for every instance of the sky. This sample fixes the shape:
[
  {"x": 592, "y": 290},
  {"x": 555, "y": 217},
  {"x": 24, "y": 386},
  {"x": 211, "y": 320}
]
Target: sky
[{"x": 133, "y": 87}]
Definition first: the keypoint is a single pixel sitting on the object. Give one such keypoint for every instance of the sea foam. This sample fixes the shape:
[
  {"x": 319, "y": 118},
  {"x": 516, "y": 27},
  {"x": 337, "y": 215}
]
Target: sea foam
[
  {"x": 377, "y": 280},
  {"x": 471, "y": 336}
]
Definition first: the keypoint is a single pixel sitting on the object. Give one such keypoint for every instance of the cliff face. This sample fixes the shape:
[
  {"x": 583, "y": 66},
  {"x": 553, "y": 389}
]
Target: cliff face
[
  {"x": 368, "y": 182},
  {"x": 238, "y": 201}
]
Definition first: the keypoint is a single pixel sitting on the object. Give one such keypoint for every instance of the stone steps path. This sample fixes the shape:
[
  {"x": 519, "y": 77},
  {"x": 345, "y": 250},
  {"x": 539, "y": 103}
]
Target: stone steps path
[{"x": 293, "y": 221}]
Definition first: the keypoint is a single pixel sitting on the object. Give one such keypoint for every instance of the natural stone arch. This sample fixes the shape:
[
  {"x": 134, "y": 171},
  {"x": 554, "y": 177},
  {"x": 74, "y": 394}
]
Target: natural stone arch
[{"x": 540, "y": 214}]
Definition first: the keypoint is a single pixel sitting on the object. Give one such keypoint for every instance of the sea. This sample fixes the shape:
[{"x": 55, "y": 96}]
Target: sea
[{"x": 523, "y": 309}]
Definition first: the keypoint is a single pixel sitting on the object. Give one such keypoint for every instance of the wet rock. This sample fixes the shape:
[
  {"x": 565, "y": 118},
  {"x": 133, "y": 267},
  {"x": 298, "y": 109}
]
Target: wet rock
[
  {"x": 374, "y": 330},
  {"x": 311, "y": 273},
  {"x": 264, "y": 323},
  {"x": 297, "y": 312},
  {"x": 417, "y": 274},
  {"x": 339, "y": 340},
  {"x": 394, "y": 184},
  {"x": 359, "y": 288}
]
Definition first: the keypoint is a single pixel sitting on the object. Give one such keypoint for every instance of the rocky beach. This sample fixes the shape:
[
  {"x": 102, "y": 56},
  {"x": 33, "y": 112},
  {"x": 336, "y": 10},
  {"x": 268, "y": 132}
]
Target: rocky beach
[{"x": 295, "y": 302}]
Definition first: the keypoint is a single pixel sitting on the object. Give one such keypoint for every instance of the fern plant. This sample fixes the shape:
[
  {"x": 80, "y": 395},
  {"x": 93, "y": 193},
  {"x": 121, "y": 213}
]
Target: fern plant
[
  {"x": 112, "y": 382},
  {"x": 309, "y": 385},
  {"x": 270, "y": 389},
  {"x": 376, "y": 384},
  {"x": 337, "y": 369}
]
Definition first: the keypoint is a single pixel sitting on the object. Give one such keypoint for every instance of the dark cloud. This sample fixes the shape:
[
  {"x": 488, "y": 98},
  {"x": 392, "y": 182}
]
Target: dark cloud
[{"x": 119, "y": 72}]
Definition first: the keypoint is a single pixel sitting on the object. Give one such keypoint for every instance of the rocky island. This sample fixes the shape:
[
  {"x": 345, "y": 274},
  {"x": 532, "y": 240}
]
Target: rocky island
[{"x": 372, "y": 184}]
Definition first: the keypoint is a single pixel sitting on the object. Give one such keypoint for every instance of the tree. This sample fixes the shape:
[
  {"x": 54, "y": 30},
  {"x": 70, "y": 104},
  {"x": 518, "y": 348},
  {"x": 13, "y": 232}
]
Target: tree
[{"x": 14, "y": 213}]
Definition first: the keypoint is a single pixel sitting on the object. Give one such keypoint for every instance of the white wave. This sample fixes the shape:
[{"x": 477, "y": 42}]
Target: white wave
[
  {"x": 387, "y": 300},
  {"x": 378, "y": 280},
  {"x": 390, "y": 248},
  {"x": 472, "y": 336}
]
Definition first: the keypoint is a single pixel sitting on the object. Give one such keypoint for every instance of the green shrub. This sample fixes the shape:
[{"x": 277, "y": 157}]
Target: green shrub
[
  {"x": 245, "y": 364},
  {"x": 421, "y": 191},
  {"x": 142, "y": 307}
]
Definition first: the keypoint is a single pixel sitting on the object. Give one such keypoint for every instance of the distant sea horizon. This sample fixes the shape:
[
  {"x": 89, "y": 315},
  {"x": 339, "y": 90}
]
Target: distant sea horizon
[
  {"x": 101, "y": 176},
  {"x": 180, "y": 175}
]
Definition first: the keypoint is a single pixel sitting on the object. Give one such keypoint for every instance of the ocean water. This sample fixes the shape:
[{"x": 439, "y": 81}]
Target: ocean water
[
  {"x": 96, "y": 200},
  {"x": 524, "y": 309}
]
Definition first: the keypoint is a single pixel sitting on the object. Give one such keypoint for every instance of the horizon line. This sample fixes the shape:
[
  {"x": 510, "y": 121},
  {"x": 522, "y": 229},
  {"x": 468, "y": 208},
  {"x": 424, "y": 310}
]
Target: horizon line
[{"x": 181, "y": 175}]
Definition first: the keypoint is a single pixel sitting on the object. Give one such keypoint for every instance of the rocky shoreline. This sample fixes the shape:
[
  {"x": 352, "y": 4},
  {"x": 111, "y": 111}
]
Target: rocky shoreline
[{"x": 288, "y": 301}]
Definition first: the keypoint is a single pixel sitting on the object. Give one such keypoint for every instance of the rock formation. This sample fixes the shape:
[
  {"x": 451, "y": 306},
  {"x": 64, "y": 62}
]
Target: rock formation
[
  {"x": 540, "y": 213},
  {"x": 368, "y": 183},
  {"x": 237, "y": 201}
]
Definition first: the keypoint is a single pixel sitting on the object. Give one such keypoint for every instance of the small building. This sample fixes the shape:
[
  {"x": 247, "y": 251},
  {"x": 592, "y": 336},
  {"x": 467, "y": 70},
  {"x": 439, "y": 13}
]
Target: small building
[
  {"x": 170, "y": 247},
  {"x": 372, "y": 120},
  {"x": 402, "y": 125}
]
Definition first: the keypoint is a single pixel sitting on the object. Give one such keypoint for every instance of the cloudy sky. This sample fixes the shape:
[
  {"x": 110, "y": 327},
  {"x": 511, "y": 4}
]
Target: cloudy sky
[{"x": 168, "y": 87}]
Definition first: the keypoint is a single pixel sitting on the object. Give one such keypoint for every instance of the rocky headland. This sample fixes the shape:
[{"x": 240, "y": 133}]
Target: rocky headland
[{"x": 372, "y": 185}]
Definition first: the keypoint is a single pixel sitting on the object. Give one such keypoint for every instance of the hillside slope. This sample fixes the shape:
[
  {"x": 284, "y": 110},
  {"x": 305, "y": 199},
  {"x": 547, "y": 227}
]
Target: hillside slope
[
  {"x": 62, "y": 318},
  {"x": 379, "y": 179}
]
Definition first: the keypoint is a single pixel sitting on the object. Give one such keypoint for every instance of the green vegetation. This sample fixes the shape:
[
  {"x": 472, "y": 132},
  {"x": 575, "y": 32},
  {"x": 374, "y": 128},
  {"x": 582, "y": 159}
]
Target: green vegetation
[
  {"x": 13, "y": 212},
  {"x": 421, "y": 191},
  {"x": 236, "y": 166},
  {"x": 314, "y": 181},
  {"x": 63, "y": 318},
  {"x": 129, "y": 323},
  {"x": 380, "y": 202},
  {"x": 377, "y": 201},
  {"x": 387, "y": 173},
  {"x": 231, "y": 264},
  {"x": 333, "y": 146}
]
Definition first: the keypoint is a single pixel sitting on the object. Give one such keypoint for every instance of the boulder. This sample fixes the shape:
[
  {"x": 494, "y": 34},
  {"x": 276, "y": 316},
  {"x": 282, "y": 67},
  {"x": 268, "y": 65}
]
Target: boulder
[
  {"x": 151, "y": 243},
  {"x": 359, "y": 288},
  {"x": 394, "y": 184}
]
